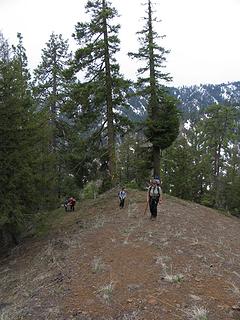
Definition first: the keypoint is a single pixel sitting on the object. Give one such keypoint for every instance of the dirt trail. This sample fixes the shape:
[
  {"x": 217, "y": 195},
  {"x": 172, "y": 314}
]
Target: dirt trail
[{"x": 116, "y": 264}]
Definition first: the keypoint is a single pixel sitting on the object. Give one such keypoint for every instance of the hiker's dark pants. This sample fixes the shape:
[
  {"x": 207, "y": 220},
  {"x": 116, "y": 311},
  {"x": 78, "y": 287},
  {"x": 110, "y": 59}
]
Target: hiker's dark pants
[
  {"x": 153, "y": 202},
  {"x": 72, "y": 208},
  {"x": 121, "y": 204}
]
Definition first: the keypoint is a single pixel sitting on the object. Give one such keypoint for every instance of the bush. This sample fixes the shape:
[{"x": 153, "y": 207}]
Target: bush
[
  {"x": 91, "y": 190},
  {"x": 69, "y": 187},
  {"x": 132, "y": 185}
]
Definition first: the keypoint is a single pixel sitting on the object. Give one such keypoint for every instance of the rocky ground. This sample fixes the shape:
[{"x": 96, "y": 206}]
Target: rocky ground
[{"x": 106, "y": 263}]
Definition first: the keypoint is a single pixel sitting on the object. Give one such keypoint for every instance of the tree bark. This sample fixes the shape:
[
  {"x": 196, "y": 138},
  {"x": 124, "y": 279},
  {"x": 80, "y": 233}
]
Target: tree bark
[
  {"x": 156, "y": 161},
  {"x": 153, "y": 102},
  {"x": 109, "y": 100}
]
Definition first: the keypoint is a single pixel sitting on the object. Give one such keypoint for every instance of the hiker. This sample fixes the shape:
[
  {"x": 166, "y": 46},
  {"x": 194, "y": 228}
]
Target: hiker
[
  {"x": 157, "y": 179},
  {"x": 71, "y": 203},
  {"x": 66, "y": 205},
  {"x": 154, "y": 196},
  {"x": 122, "y": 196}
]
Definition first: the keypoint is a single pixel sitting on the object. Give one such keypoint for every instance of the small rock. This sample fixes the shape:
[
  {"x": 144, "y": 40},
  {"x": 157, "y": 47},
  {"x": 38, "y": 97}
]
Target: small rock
[
  {"x": 223, "y": 306},
  {"x": 3, "y": 305},
  {"x": 134, "y": 287},
  {"x": 194, "y": 297},
  {"x": 152, "y": 301},
  {"x": 236, "y": 307}
]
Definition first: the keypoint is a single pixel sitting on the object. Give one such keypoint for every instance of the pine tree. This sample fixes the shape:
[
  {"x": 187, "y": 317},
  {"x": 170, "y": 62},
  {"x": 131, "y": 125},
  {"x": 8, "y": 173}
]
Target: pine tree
[
  {"x": 52, "y": 87},
  {"x": 217, "y": 135},
  {"x": 20, "y": 54},
  {"x": 50, "y": 83},
  {"x": 177, "y": 169},
  {"x": 232, "y": 181},
  {"x": 163, "y": 121},
  {"x": 20, "y": 136},
  {"x": 102, "y": 87},
  {"x": 203, "y": 164},
  {"x": 4, "y": 49}
]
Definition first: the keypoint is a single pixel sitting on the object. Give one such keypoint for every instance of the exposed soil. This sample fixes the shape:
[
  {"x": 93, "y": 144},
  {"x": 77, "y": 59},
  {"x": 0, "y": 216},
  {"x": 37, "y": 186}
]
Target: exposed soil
[{"x": 103, "y": 262}]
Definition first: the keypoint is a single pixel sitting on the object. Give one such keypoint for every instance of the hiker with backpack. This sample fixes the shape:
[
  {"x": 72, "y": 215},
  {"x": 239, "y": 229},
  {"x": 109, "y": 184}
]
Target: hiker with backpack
[
  {"x": 154, "y": 196},
  {"x": 66, "y": 206},
  {"x": 71, "y": 203},
  {"x": 122, "y": 196}
]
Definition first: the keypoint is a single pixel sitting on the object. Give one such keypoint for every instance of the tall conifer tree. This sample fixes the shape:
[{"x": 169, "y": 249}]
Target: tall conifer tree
[
  {"x": 52, "y": 89},
  {"x": 218, "y": 131},
  {"x": 102, "y": 85},
  {"x": 20, "y": 135},
  {"x": 51, "y": 85},
  {"x": 163, "y": 122}
]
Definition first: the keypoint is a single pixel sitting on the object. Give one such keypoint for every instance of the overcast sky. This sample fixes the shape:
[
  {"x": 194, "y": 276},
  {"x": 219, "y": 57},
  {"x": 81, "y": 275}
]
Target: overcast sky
[{"x": 203, "y": 35}]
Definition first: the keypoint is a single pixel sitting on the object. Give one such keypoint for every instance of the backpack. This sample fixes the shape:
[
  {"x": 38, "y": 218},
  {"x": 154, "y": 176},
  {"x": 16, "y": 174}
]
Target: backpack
[
  {"x": 154, "y": 194},
  {"x": 122, "y": 194}
]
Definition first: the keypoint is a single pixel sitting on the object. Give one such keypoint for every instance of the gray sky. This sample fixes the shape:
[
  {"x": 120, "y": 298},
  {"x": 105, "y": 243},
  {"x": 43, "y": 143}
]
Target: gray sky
[{"x": 203, "y": 35}]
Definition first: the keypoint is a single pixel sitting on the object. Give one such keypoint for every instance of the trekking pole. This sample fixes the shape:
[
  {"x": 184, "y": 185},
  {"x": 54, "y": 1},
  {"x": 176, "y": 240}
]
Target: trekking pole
[{"x": 145, "y": 209}]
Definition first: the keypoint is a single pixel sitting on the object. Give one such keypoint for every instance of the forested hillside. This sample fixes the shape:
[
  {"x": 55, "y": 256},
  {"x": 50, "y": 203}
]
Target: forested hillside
[
  {"x": 119, "y": 200},
  {"x": 192, "y": 100},
  {"x": 195, "y": 99},
  {"x": 72, "y": 127},
  {"x": 203, "y": 163}
]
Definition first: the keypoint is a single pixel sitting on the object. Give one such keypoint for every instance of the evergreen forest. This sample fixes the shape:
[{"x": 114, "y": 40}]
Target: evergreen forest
[{"x": 65, "y": 129}]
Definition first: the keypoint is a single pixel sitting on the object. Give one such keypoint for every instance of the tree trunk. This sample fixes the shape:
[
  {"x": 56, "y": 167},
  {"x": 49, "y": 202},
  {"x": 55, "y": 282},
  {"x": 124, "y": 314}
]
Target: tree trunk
[
  {"x": 153, "y": 102},
  {"x": 217, "y": 176},
  {"x": 110, "y": 124},
  {"x": 156, "y": 161}
]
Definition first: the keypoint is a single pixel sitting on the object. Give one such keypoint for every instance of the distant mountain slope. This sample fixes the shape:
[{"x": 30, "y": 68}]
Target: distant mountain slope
[
  {"x": 193, "y": 99},
  {"x": 196, "y": 98}
]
